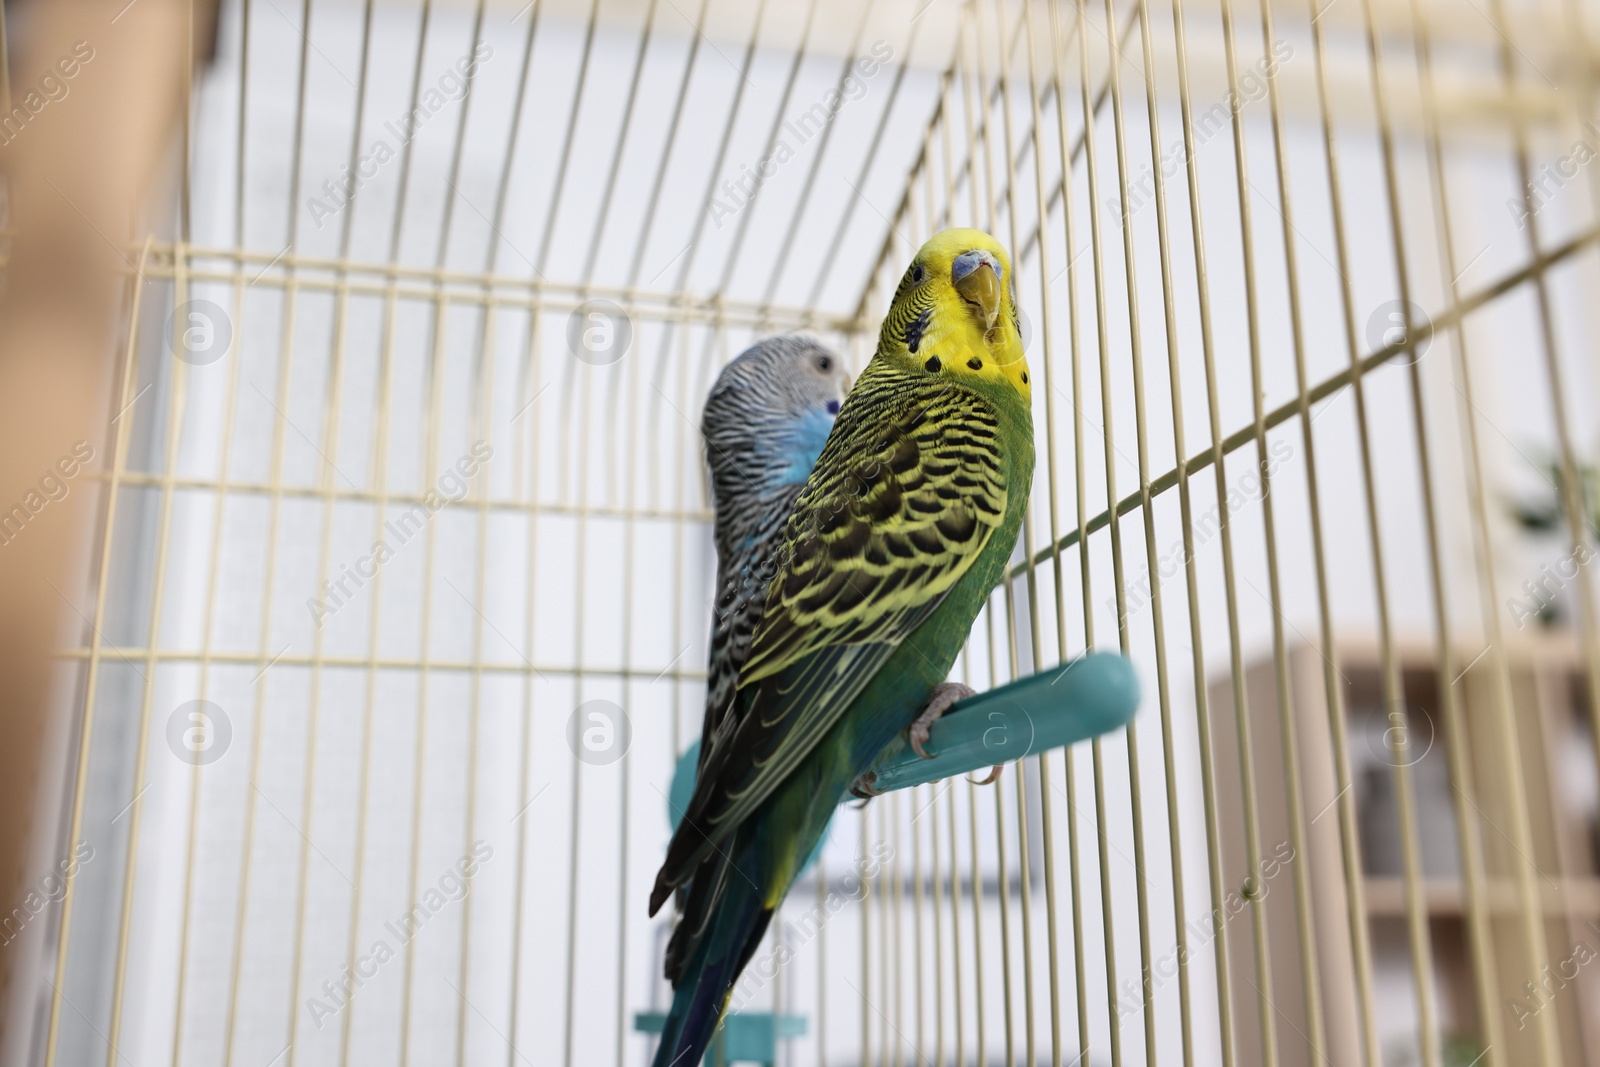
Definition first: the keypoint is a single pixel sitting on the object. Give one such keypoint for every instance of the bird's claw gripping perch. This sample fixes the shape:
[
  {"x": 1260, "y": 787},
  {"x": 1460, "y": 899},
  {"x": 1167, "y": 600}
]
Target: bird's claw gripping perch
[
  {"x": 864, "y": 787},
  {"x": 994, "y": 776},
  {"x": 945, "y": 694}
]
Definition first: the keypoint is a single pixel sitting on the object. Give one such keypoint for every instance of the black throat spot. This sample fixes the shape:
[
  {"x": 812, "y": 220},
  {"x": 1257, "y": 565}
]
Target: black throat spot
[{"x": 916, "y": 328}]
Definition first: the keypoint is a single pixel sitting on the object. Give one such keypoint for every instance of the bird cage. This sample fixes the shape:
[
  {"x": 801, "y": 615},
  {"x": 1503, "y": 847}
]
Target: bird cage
[{"x": 404, "y": 575}]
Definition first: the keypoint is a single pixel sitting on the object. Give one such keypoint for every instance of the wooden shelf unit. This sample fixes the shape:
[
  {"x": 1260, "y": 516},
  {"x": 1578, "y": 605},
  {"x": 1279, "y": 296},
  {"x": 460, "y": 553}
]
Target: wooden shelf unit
[{"x": 1552, "y": 723}]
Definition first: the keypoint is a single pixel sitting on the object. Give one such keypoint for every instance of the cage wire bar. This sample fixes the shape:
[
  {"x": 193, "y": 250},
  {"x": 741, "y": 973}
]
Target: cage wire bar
[{"x": 390, "y": 745}]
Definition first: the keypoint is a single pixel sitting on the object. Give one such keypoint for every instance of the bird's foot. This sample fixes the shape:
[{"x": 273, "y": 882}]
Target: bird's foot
[
  {"x": 865, "y": 786},
  {"x": 994, "y": 776},
  {"x": 944, "y": 695}
]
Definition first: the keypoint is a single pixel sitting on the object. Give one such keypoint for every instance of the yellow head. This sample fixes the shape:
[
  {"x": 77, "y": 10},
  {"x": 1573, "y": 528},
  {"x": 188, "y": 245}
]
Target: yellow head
[{"x": 953, "y": 316}]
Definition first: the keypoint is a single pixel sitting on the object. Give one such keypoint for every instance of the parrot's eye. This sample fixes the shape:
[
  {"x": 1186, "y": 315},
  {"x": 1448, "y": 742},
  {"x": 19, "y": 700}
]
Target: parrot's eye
[
  {"x": 916, "y": 274},
  {"x": 824, "y": 364}
]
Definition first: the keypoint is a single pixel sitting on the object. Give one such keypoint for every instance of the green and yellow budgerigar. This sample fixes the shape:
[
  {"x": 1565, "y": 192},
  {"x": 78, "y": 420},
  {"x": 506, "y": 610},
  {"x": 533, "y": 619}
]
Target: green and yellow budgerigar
[{"x": 902, "y": 530}]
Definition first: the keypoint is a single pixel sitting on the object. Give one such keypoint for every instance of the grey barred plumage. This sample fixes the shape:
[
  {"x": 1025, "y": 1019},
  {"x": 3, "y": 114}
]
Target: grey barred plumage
[{"x": 766, "y": 419}]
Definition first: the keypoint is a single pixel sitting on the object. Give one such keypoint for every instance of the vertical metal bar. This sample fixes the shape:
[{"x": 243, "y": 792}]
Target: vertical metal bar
[
  {"x": 993, "y": 95},
  {"x": 748, "y": 207},
  {"x": 186, "y": 134},
  {"x": 191, "y": 845},
  {"x": 380, "y": 483},
  {"x": 1136, "y": 352},
  {"x": 330, "y": 452},
  {"x": 828, "y": 257},
  {"x": 1573, "y": 503},
  {"x": 645, "y": 35},
  {"x": 243, "y": 115},
  {"x": 1416, "y": 901},
  {"x": 1080, "y": 979},
  {"x": 96, "y": 641},
  {"x": 919, "y": 961},
  {"x": 936, "y": 884},
  {"x": 347, "y": 223},
  {"x": 1455, "y": 741},
  {"x": 808, "y": 184},
  {"x": 885, "y": 965},
  {"x": 234, "y": 377},
  {"x": 263, "y": 653},
  {"x": 947, "y": 215},
  {"x": 630, "y": 504},
  {"x": 1355, "y": 886},
  {"x": 1224, "y": 981},
  {"x": 1394, "y": 696},
  {"x": 1242, "y": 724},
  {"x": 446, "y": 223},
  {"x": 564, "y": 158},
  {"x": 944, "y": 220},
  {"x": 1180, "y": 920},
  {"x": 580, "y": 572},
  {"x": 430, "y": 462},
  {"x": 484, "y": 418},
  {"x": 285, "y": 373},
  {"x": 1092, "y": 169},
  {"x": 1047, "y": 384},
  {"x": 822, "y": 965},
  {"x": 1002, "y": 876},
  {"x": 330, "y": 448},
  {"x": 653, "y": 201},
  {"x": 684, "y": 452},
  {"x": 1290, "y": 749},
  {"x": 1100, "y": 97},
  {"x": 1483, "y": 942},
  {"x": 530, "y": 616},
  {"x": 1026, "y": 881},
  {"x": 405, "y": 148},
  {"x": 867, "y": 893},
  {"x": 991, "y": 202},
  {"x": 920, "y": 225},
  {"x": 979, "y": 1003},
  {"x": 433, "y": 421},
  {"x": 687, "y": 256},
  {"x": 982, "y": 1056},
  {"x": 1202, "y": 696},
  {"x": 955, "y": 934}
]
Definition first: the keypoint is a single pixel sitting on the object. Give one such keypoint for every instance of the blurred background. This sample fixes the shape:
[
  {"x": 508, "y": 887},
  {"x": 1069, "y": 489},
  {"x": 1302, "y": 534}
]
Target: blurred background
[{"x": 353, "y": 359}]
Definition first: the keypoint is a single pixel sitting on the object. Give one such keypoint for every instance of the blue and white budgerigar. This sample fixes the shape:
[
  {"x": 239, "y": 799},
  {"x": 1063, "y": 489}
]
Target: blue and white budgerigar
[
  {"x": 766, "y": 419},
  {"x": 894, "y": 544}
]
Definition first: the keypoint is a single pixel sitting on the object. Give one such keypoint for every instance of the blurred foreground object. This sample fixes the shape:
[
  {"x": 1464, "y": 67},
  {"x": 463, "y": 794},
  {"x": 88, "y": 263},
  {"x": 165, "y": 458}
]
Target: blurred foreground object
[{"x": 95, "y": 89}]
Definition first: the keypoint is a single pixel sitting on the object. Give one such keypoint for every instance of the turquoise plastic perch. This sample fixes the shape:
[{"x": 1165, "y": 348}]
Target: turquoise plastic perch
[
  {"x": 1092, "y": 695},
  {"x": 1086, "y": 698}
]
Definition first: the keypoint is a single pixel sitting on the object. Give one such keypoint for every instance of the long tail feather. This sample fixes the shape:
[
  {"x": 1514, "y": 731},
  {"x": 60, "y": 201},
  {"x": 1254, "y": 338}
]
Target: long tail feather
[{"x": 706, "y": 982}]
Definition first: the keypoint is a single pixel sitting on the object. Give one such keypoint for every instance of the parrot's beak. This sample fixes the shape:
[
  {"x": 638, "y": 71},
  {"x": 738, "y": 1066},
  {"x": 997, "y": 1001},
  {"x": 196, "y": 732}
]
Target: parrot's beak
[{"x": 976, "y": 276}]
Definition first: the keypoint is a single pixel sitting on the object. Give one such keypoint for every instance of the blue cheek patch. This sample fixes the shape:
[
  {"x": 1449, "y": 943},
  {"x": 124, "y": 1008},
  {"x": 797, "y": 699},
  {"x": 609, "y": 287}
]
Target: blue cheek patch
[{"x": 805, "y": 443}]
